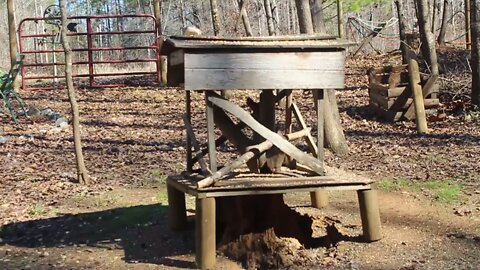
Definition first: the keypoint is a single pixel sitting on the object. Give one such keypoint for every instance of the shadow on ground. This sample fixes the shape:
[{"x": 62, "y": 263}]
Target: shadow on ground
[{"x": 141, "y": 231}]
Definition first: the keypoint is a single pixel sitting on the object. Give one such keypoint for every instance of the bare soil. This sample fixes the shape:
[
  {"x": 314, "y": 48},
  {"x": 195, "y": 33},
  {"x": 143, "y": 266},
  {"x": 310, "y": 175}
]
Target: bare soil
[{"x": 134, "y": 137}]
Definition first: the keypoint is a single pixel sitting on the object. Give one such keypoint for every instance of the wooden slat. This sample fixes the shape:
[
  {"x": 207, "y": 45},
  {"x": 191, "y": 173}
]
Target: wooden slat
[
  {"x": 193, "y": 140},
  {"x": 176, "y": 58},
  {"x": 218, "y": 79},
  {"x": 264, "y": 187},
  {"x": 387, "y": 103},
  {"x": 212, "y": 151},
  {"x": 325, "y": 61},
  {"x": 385, "y": 91},
  {"x": 384, "y": 114},
  {"x": 426, "y": 90},
  {"x": 277, "y": 140},
  {"x": 257, "y": 70},
  {"x": 309, "y": 139}
]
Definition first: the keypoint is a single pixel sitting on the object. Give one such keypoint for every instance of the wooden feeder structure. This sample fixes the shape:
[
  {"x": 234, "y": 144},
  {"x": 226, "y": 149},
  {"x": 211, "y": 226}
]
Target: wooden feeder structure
[
  {"x": 268, "y": 161},
  {"x": 391, "y": 96}
]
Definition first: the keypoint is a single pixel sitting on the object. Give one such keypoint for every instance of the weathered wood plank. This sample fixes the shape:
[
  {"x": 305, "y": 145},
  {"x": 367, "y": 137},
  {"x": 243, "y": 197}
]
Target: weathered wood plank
[
  {"x": 275, "y": 138},
  {"x": 426, "y": 90},
  {"x": 251, "y": 153},
  {"x": 176, "y": 58},
  {"x": 385, "y": 91},
  {"x": 219, "y": 79},
  {"x": 309, "y": 139},
  {"x": 326, "y": 61},
  {"x": 387, "y": 103},
  {"x": 193, "y": 140},
  {"x": 212, "y": 151}
]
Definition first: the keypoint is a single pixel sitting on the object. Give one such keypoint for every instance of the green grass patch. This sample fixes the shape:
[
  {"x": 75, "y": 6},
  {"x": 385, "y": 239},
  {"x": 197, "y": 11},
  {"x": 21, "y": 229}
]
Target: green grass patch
[
  {"x": 154, "y": 178},
  {"x": 36, "y": 210},
  {"x": 445, "y": 191}
]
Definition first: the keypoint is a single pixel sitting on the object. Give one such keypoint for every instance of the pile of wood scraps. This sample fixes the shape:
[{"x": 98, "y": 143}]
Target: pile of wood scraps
[{"x": 391, "y": 92}]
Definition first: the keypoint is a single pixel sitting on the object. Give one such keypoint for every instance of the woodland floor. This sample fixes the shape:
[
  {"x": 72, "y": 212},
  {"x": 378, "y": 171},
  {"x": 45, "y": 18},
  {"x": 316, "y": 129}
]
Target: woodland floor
[{"x": 133, "y": 138}]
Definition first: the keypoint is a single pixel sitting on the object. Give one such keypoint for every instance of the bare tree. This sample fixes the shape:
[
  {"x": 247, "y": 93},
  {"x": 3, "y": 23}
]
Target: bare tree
[
  {"x": 244, "y": 14},
  {"x": 268, "y": 12},
  {"x": 82, "y": 174},
  {"x": 429, "y": 51},
  {"x": 12, "y": 35},
  {"x": 304, "y": 16},
  {"x": 447, "y": 13},
  {"x": 318, "y": 20},
  {"x": 401, "y": 29},
  {"x": 215, "y": 17},
  {"x": 475, "y": 15}
]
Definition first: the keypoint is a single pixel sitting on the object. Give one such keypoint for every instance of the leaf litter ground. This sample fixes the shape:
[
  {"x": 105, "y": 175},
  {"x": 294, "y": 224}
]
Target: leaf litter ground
[{"x": 133, "y": 138}]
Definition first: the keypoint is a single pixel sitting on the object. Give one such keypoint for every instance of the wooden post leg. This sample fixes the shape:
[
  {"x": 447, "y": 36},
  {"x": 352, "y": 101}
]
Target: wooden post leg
[
  {"x": 205, "y": 241},
  {"x": 370, "y": 214},
  {"x": 188, "y": 111},
  {"x": 177, "y": 212},
  {"x": 319, "y": 198}
]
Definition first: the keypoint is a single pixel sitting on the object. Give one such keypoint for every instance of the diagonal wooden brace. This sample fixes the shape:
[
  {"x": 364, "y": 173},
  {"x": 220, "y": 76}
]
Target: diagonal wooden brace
[{"x": 276, "y": 139}]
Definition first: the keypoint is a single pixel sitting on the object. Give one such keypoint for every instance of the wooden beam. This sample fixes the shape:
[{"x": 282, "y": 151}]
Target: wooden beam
[
  {"x": 421, "y": 118},
  {"x": 266, "y": 133},
  {"x": 309, "y": 139},
  {"x": 426, "y": 90},
  {"x": 196, "y": 146},
  {"x": 212, "y": 152},
  {"x": 252, "y": 151}
]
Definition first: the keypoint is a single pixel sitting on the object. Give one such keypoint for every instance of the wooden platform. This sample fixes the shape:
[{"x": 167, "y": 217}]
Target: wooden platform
[{"x": 245, "y": 184}]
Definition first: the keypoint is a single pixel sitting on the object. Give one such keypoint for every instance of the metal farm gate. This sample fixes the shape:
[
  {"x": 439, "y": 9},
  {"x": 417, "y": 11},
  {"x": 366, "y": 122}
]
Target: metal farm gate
[{"x": 108, "y": 51}]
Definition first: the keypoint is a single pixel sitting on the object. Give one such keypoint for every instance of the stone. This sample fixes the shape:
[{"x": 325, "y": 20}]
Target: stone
[
  {"x": 46, "y": 112},
  {"x": 32, "y": 111},
  {"x": 63, "y": 125},
  {"x": 61, "y": 121},
  {"x": 55, "y": 130},
  {"x": 4, "y": 139}
]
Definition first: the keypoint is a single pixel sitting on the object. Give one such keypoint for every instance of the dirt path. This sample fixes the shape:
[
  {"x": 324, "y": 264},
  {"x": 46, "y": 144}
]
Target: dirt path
[{"x": 126, "y": 229}]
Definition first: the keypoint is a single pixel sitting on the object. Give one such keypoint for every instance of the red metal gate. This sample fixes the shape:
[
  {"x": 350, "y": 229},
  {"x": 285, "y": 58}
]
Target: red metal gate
[{"x": 44, "y": 53}]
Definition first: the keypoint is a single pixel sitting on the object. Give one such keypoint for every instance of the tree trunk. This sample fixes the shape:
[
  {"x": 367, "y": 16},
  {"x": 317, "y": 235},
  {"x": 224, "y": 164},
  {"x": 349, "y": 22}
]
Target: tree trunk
[
  {"x": 215, "y": 17},
  {"x": 304, "y": 16},
  {"x": 334, "y": 136},
  {"x": 12, "y": 35},
  {"x": 268, "y": 13},
  {"x": 81, "y": 169},
  {"x": 318, "y": 18},
  {"x": 429, "y": 51},
  {"x": 447, "y": 11},
  {"x": 475, "y": 53},
  {"x": 401, "y": 29},
  {"x": 341, "y": 32},
  {"x": 468, "y": 36},
  {"x": 245, "y": 20}
]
